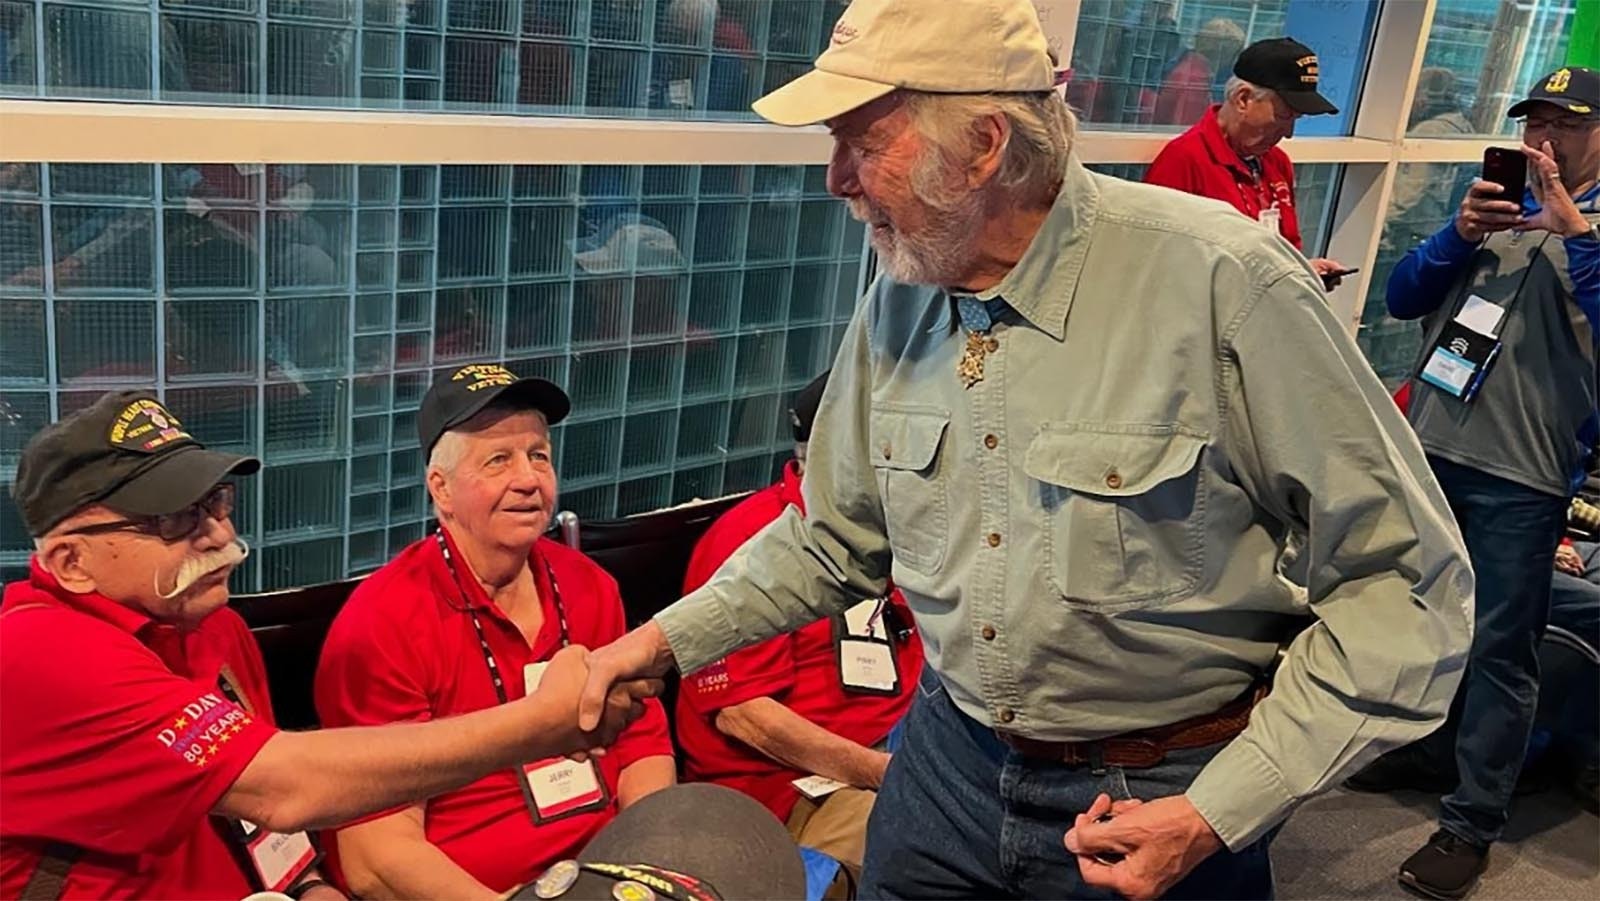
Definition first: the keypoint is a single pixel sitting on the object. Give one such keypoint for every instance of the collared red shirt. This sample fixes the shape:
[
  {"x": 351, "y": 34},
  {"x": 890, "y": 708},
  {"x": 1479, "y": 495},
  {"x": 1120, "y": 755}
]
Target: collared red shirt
[
  {"x": 402, "y": 650},
  {"x": 1090, "y": 536},
  {"x": 115, "y": 738},
  {"x": 799, "y": 670},
  {"x": 1200, "y": 162}
]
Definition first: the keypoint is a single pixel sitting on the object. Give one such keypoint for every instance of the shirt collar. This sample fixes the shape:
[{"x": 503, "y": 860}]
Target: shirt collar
[
  {"x": 1041, "y": 285},
  {"x": 1587, "y": 202},
  {"x": 93, "y": 604},
  {"x": 1217, "y": 144},
  {"x": 179, "y": 649},
  {"x": 464, "y": 582}
]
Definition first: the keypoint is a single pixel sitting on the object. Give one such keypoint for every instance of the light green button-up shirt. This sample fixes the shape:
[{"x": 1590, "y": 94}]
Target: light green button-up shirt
[{"x": 1089, "y": 537}]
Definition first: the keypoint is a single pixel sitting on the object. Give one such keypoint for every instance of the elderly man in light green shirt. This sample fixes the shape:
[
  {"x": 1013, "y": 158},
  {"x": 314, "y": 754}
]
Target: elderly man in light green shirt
[{"x": 1076, "y": 420}]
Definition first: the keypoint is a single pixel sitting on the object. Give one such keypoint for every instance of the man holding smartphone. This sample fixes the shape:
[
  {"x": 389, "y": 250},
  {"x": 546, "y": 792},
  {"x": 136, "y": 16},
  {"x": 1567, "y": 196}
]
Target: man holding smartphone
[
  {"x": 1232, "y": 153},
  {"x": 1504, "y": 404}
]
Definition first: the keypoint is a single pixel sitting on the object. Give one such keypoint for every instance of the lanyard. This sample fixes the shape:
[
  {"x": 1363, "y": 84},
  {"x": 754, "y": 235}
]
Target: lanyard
[{"x": 477, "y": 624}]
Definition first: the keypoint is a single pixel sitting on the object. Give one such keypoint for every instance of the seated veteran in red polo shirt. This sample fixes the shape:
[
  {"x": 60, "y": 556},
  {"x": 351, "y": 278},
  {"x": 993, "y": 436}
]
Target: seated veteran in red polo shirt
[
  {"x": 1232, "y": 153},
  {"x": 466, "y": 619},
  {"x": 810, "y": 703},
  {"x": 138, "y": 756}
]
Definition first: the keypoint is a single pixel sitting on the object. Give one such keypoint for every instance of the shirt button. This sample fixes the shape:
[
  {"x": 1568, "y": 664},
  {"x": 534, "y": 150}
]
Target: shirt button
[
  {"x": 1113, "y": 480},
  {"x": 991, "y": 442},
  {"x": 1007, "y": 714},
  {"x": 991, "y": 345},
  {"x": 988, "y": 633},
  {"x": 887, "y": 450},
  {"x": 994, "y": 539}
]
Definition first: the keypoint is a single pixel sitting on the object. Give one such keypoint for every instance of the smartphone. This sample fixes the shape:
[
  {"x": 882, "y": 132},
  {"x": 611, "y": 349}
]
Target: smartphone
[
  {"x": 1508, "y": 169},
  {"x": 1328, "y": 277}
]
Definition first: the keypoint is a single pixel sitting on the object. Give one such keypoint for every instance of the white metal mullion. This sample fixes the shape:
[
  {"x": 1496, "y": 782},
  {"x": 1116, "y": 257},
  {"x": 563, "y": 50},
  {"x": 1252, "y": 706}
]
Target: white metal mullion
[{"x": 1362, "y": 205}]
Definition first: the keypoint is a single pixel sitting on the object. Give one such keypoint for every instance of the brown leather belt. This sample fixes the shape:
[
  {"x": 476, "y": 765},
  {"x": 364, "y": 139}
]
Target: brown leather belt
[{"x": 1146, "y": 747}]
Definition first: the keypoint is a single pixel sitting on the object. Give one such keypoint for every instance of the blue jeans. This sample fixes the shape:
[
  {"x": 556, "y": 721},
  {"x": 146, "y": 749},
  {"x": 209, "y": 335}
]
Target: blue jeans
[
  {"x": 962, "y": 815},
  {"x": 1511, "y": 533}
]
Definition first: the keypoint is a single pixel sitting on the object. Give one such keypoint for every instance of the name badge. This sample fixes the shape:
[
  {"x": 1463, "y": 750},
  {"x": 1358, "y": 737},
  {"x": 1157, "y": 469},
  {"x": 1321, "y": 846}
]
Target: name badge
[
  {"x": 563, "y": 787},
  {"x": 868, "y": 666},
  {"x": 278, "y": 859},
  {"x": 1271, "y": 217},
  {"x": 1467, "y": 346},
  {"x": 532, "y": 675},
  {"x": 559, "y": 787},
  {"x": 817, "y": 787},
  {"x": 865, "y": 650}
]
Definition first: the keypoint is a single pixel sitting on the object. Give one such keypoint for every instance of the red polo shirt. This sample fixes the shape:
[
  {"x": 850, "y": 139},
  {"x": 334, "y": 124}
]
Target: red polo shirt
[
  {"x": 115, "y": 738},
  {"x": 1199, "y": 161},
  {"x": 402, "y": 650},
  {"x": 799, "y": 670}
]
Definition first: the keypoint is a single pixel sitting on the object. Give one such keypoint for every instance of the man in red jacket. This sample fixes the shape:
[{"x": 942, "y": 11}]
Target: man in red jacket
[
  {"x": 819, "y": 702},
  {"x": 1232, "y": 153}
]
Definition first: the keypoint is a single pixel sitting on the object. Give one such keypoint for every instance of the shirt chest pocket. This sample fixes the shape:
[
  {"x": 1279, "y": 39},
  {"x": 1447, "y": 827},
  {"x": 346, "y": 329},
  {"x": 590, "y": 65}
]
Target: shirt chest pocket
[
  {"x": 904, "y": 448},
  {"x": 1123, "y": 511}
]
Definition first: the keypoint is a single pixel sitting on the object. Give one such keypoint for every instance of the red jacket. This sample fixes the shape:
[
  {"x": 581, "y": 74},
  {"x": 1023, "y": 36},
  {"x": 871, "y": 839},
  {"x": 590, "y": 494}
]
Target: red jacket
[{"x": 1199, "y": 161}]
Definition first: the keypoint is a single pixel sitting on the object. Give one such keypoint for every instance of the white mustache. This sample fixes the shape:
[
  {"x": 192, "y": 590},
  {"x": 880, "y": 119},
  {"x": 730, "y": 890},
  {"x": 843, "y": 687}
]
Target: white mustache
[
  {"x": 197, "y": 566},
  {"x": 862, "y": 211}
]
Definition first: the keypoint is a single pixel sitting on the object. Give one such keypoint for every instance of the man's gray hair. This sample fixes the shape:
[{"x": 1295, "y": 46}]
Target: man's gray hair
[
  {"x": 1042, "y": 131},
  {"x": 446, "y": 452},
  {"x": 1237, "y": 86}
]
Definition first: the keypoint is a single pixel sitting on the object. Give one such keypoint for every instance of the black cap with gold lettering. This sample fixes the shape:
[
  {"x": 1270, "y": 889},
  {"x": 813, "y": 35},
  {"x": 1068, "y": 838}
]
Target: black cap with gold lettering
[
  {"x": 1288, "y": 67},
  {"x": 463, "y": 393},
  {"x": 125, "y": 451},
  {"x": 1573, "y": 88}
]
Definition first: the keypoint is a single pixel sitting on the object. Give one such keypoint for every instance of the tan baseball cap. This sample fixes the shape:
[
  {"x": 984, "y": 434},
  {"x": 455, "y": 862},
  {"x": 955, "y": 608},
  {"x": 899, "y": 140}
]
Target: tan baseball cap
[{"x": 948, "y": 47}]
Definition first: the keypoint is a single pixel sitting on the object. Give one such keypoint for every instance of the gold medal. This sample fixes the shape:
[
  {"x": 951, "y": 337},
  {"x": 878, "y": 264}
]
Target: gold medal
[
  {"x": 970, "y": 369},
  {"x": 632, "y": 891}
]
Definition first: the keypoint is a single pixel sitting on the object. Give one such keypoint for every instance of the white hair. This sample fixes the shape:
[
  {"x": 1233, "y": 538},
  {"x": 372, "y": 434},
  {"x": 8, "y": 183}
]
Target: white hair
[
  {"x": 447, "y": 452},
  {"x": 1042, "y": 132},
  {"x": 1237, "y": 86}
]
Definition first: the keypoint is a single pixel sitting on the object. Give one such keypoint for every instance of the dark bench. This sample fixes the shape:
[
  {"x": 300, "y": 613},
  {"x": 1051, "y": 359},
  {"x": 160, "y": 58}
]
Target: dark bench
[{"x": 647, "y": 555}]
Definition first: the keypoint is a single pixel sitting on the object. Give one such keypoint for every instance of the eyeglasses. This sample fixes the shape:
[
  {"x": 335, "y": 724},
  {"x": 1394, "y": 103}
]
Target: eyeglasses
[
  {"x": 170, "y": 527},
  {"x": 1565, "y": 125}
]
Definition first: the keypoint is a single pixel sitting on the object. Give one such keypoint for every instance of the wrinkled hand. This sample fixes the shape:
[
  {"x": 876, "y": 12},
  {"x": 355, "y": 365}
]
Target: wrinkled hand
[
  {"x": 1481, "y": 214},
  {"x": 1160, "y": 840},
  {"x": 1569, "y": 561},
  {"x": 564, "y": 681},
  {"x": 1557, "y": 213},
  {"x": 1323, "y": 266},
  {"x": 641, "y": 655}
]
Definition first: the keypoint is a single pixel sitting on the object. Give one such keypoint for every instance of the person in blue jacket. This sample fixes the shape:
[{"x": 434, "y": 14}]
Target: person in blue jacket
[{"x": 1503, "y": 400}]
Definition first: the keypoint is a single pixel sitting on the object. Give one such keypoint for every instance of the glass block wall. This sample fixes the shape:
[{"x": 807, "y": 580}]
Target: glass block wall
[
  {"x": 300, "y": 312},
  {"x": 1157, "y": 64},
  {"x": 660, "y": 58}
]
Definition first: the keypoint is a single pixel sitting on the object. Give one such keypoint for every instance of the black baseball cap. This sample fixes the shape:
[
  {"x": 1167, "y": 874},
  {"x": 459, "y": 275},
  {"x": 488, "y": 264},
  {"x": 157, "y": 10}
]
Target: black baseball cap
[
  {"x": 1288, "y": 67},
  {"x": 462, "y": 393},
  {"x": 125, "y": 451},
  {"x": 806, "y": 401},
  {"x": 1572, "y": 88},
  {"x": 708, "y": 838}
]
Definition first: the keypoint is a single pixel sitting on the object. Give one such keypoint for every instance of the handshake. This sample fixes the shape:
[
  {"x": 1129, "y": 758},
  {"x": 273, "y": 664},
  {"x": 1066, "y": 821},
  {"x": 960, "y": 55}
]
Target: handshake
[{"x": 563, "y": 684}]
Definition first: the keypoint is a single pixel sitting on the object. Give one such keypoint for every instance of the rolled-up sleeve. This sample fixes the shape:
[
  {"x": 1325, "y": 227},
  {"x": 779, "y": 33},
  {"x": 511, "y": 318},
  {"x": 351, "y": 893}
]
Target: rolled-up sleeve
[
  {"x": 801, "y": 569},
  {"x": 1317, "y": 443}
]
